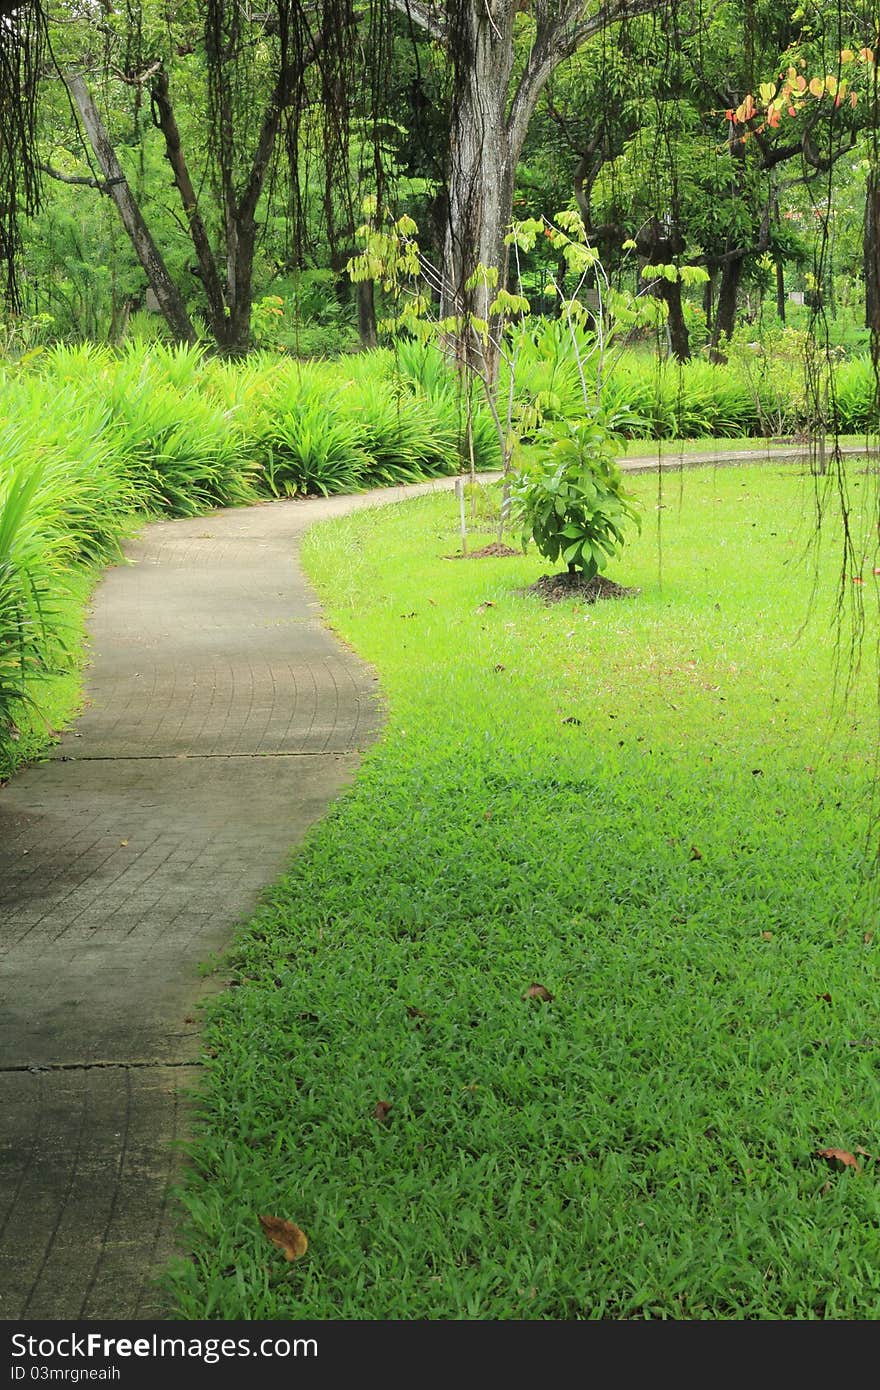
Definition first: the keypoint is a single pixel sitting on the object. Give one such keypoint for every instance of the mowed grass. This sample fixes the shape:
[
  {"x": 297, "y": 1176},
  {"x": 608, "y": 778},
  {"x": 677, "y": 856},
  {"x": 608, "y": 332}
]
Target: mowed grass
[{"x": 657, "y": 809}]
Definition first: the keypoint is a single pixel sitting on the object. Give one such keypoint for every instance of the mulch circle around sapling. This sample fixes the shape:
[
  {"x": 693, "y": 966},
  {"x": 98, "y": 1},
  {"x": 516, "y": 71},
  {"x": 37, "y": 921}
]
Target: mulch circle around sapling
[{"x": 554, "y": 588}]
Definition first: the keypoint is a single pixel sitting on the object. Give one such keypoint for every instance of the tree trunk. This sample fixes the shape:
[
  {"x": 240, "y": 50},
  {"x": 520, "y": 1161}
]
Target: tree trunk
[
  {"x": 481, "y": 175},
  {"x": 872, "y": 255},
  {"x": 366, "y": 314},
  {"x": 168, "y": 296},
  {"x": 167, "y": 123},
  {"x": 780, "y": 291},
  {"x": 709, "y": 301},
  {"x": 725, "y": 318},
  {"x": 670, "y": 292}
]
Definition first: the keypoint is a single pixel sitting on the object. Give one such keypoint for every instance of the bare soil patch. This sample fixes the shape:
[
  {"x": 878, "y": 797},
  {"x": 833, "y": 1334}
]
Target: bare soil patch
[{"x": 555, "y": 588}]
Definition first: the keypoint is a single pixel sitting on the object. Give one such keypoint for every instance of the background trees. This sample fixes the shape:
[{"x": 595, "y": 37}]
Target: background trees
[{"x": 240, "y": 140}]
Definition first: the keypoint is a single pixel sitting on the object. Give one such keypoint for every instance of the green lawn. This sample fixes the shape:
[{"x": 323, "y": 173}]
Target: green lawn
[
  {"x": 670, "y": 448},
  {"x": 654, "y": 808}
]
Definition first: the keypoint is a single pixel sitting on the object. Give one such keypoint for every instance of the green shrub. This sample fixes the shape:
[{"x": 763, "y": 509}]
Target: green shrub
[
  {"x": 25, "y": 594},
  {"x": 856, "y": 396},
  {"x": 571, "y": 501},
  {"x": 307, "y": 446}
]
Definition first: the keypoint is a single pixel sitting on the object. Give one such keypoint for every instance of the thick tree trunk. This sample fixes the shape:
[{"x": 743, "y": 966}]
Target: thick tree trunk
[
  {"x": 670, "y": 292},
  {"x": 480, "y": 182},
  {"x": 489, "y": 126},
  {"x": 167, "y": 294},
  {"x": 366, "y": 314},
  {"x": 725, "y": 318}
]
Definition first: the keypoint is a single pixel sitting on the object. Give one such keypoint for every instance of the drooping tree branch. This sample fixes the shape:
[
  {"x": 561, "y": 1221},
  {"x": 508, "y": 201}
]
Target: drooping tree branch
[
  {"x": 166, "y": 292},
  {"x": 427, "y": 17}
]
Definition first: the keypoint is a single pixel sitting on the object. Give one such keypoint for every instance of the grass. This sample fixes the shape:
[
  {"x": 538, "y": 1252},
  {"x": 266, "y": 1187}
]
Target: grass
[
  {"x": 638, "y": 448},
  {"x": 58, "y": 691},
  {"x": 655, "y": 809}
]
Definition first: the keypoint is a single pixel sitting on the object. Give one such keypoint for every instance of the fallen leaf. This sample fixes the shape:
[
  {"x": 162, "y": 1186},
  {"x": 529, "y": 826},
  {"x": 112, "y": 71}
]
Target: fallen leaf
[
  {"x": 414, "y": 1012},
  {"x": 766, "y": 936},
  {"x": 826, "y": 997},
  {"x": 499, "y": 666},
  {"x": 695, "y": 853},
  {"x": 481, "y": 607},
  {"x": 572, "y": 719},
  {"x": 841, "y": 1157},
  {"x": 122, "y": 844},
  {"x": 868, "y": 938},
  {"x": 409, "y": 615},
  {"x": 864, "y": 1152},
  {"x": 536, "y": 991},
  {"x": 291, "y": 1241},
  {"x": 382, "y": 1110}
]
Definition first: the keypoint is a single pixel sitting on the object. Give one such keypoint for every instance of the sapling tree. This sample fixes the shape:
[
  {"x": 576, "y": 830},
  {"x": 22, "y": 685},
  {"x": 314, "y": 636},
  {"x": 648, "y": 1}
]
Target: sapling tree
[{"x": 568, "y": 461}]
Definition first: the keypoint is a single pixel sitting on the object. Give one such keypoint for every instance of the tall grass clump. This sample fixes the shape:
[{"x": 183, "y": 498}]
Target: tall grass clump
[{"x": 64, "y": 501}]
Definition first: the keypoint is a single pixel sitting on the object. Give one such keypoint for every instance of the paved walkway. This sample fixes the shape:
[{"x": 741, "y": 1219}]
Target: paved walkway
[{"x": 222, "y": 717}]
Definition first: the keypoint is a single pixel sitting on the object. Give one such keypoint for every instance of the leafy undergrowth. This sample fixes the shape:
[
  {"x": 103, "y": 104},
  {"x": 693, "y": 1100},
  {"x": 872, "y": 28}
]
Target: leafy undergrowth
[
  {"x": 654, "y": 809},
  {"x": 57, "y": 692}
]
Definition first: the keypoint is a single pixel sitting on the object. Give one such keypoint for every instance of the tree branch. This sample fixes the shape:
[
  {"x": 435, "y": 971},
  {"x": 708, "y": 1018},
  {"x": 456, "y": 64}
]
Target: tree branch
[
  {"x": 556, "y": 38},
  {"x": 425, "y": 16},
  {"x": 167, "y": 293},
  {"x": 165, "y": 120},
  {"x": 612, "y": 14},
  {"x": 81, "y": 180}
]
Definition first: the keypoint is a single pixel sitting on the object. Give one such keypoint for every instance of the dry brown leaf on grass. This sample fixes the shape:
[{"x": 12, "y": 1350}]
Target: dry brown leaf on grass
[
  {"x": 536, "y": 991},
  {"x": 291, "y": 1241},
  {"x": 695, "y": 853},
  {"x": 414, "y": 1012},
  {"x": 841, "y": 1157},
  {"x": 383, "y": 1108}
]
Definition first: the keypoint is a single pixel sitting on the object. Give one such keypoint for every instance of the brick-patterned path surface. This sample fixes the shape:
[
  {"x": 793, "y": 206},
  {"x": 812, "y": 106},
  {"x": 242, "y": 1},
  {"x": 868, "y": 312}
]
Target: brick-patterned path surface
[{"x": 221, "y": 719}]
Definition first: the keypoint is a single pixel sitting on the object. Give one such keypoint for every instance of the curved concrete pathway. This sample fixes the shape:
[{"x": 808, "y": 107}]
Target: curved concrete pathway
[{"x": 222, "y": 717}]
